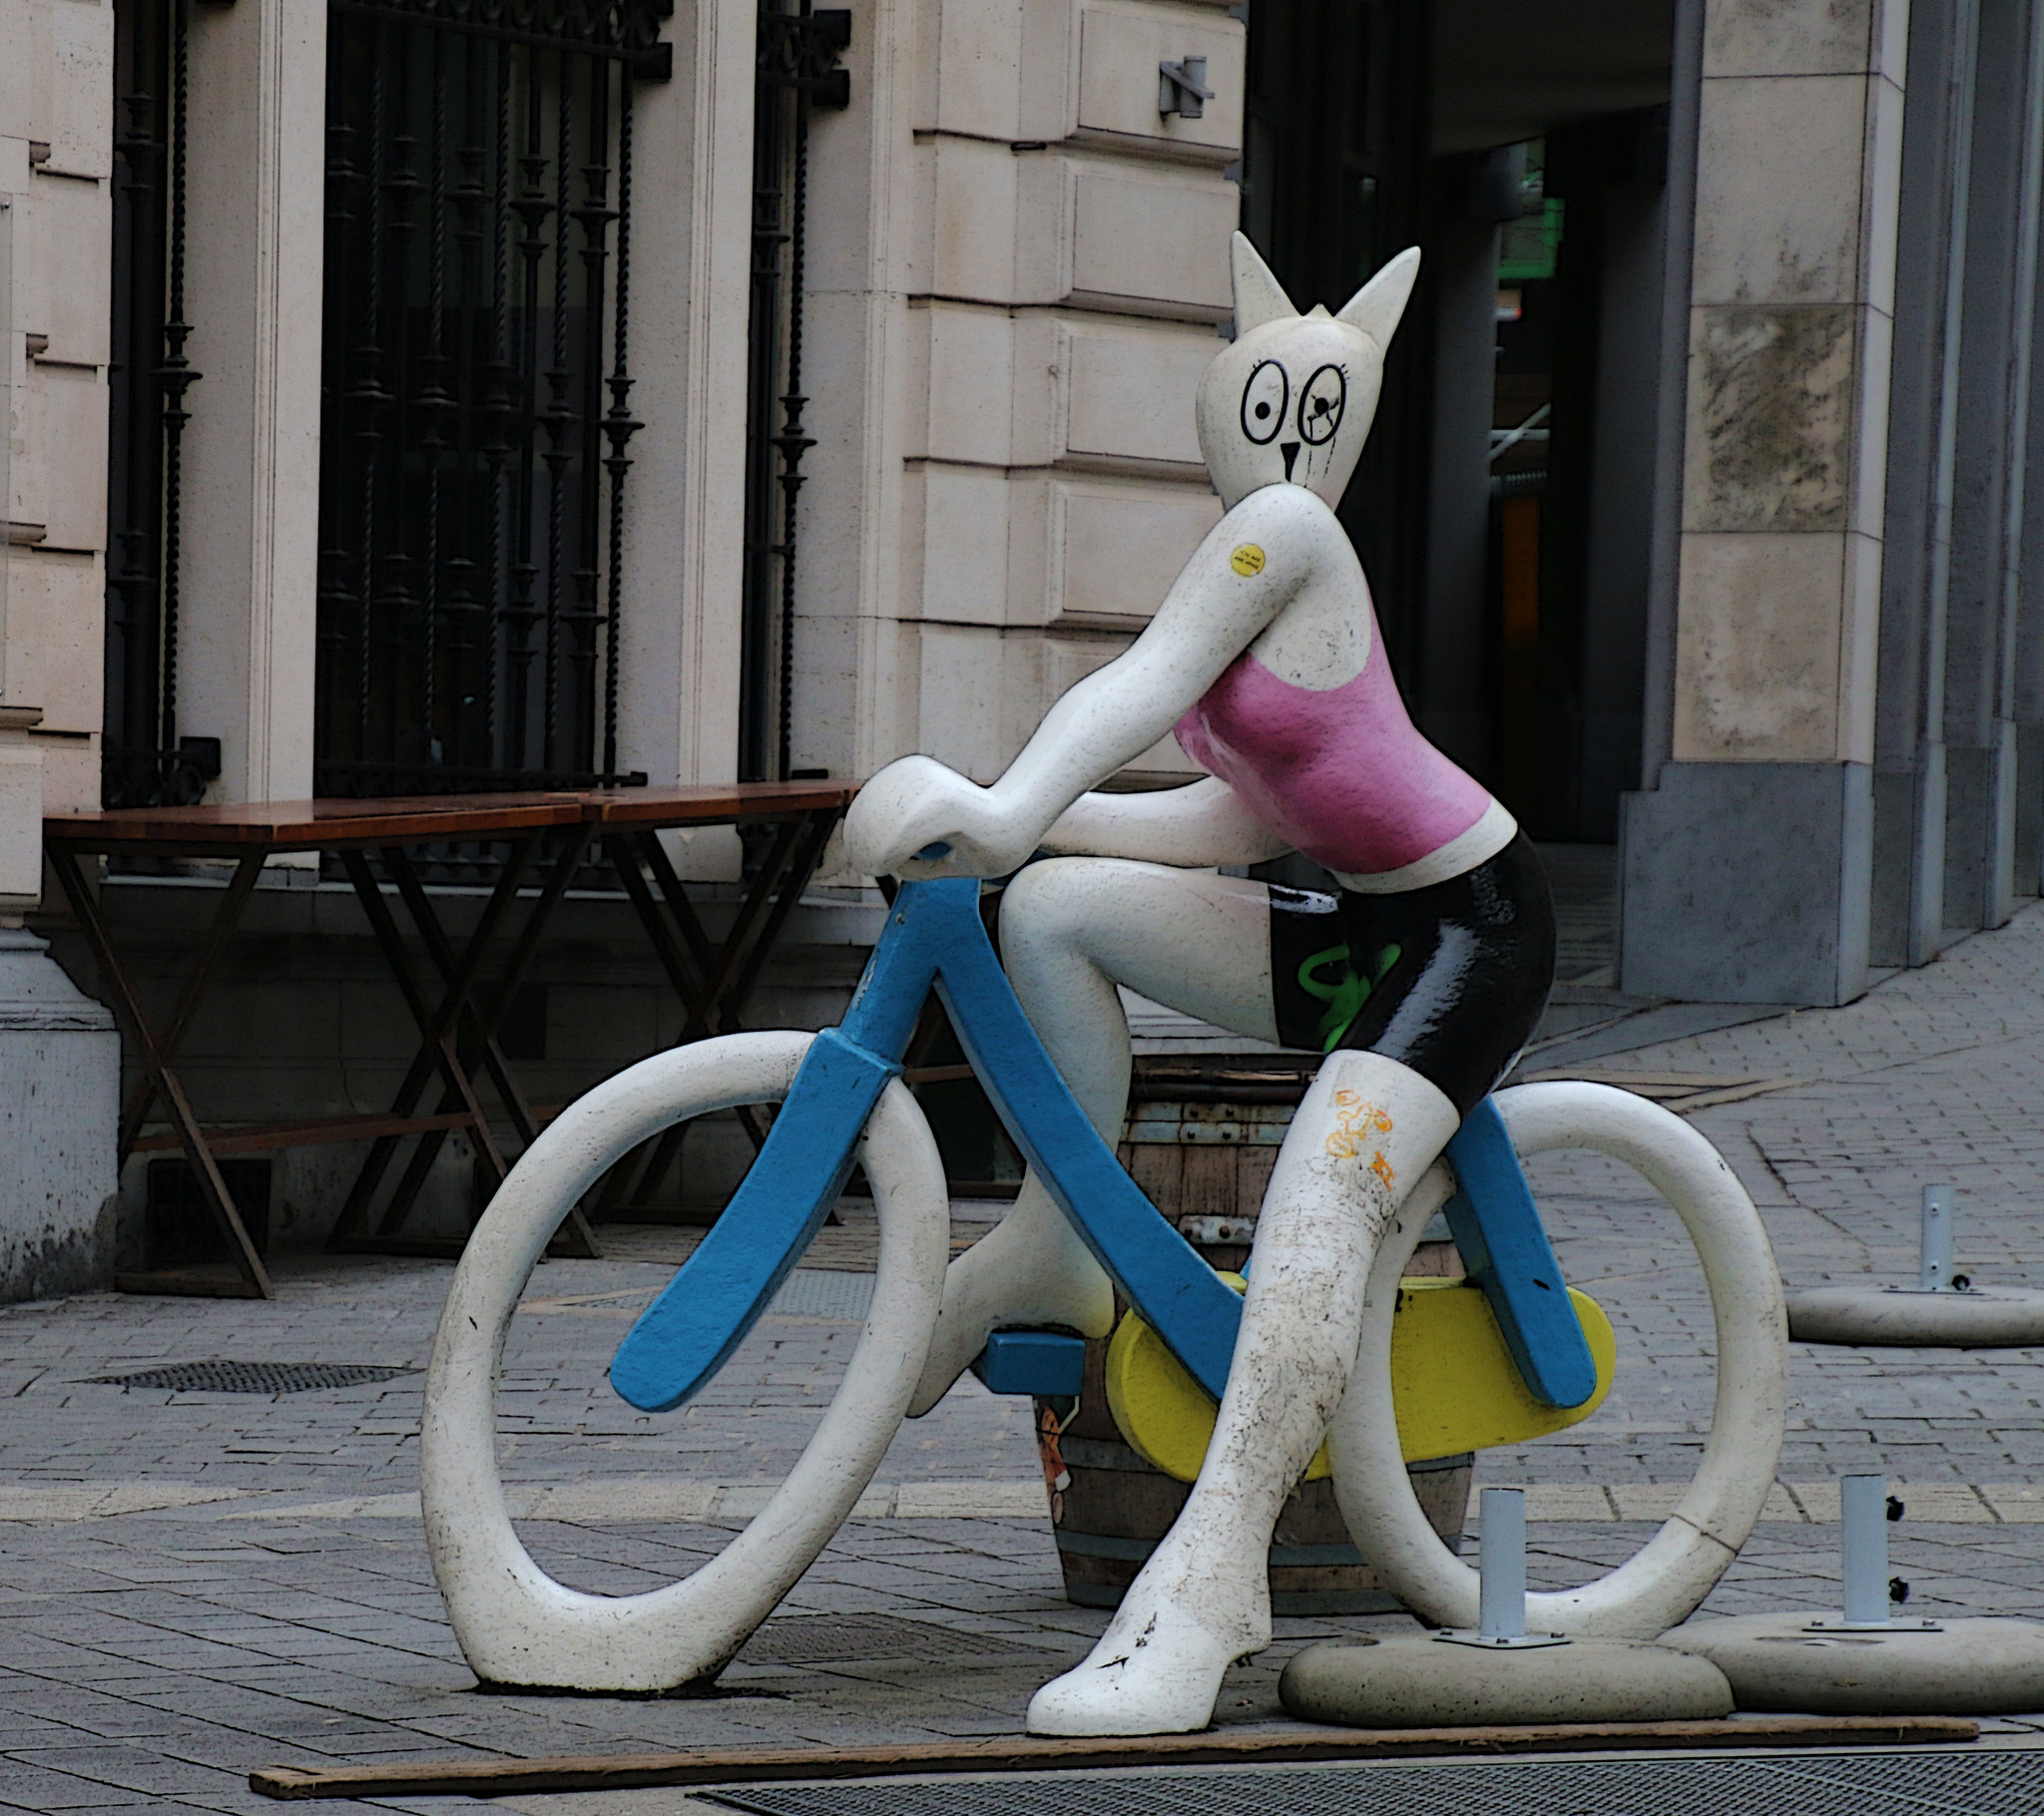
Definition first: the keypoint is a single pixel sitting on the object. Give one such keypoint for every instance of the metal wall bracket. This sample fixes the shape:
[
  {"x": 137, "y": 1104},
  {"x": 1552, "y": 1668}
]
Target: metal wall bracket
[{"x": 1182, "y": 88}]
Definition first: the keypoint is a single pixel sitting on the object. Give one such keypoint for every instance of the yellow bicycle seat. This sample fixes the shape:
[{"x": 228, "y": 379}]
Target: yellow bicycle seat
[{"x": 1453, "y": 1381}]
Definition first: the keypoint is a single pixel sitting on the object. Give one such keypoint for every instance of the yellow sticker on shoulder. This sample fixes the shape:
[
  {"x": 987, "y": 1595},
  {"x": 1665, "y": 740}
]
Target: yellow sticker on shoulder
[{"x": 1246, "y": 559}]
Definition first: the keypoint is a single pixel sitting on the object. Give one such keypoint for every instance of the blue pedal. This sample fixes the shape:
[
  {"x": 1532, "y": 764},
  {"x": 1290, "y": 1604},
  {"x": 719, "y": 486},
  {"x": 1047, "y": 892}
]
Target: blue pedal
[{"x": 1039, "y": 1362}]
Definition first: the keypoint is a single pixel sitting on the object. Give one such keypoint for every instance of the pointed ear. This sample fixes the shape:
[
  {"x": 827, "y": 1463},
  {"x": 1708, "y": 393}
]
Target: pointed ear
[
  {"x": 1259, "y": 297},
  {"x": 1376, "y": 308}
]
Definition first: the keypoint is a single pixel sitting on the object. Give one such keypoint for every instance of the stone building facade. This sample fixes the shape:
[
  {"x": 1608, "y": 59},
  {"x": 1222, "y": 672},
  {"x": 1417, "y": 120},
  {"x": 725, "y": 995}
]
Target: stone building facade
[
  {"x": 833, "y": 372},
  {"x": 59, "y": 1053}
]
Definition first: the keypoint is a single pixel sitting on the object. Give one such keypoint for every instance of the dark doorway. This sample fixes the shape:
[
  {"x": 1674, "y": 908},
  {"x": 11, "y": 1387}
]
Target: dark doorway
[
  {"x": 1334, "y": 184},
  {"x": 1502, "y": 507},
  {"x": 1571, "y": 481}
]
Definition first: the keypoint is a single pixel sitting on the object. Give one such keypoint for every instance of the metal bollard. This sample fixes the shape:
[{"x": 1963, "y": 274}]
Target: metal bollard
[
  {"x": 1863, "y": 1547},
  {"x": 1863, "y": 1516},
  {"x": 1502, "y": 1598},
  {"x": 1934, "y": 1263},
  {"x": 1502, "y": 1585}
]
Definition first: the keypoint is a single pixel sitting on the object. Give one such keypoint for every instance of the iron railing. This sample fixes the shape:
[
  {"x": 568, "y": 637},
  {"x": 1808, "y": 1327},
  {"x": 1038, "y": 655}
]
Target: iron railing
[
  {"x": 795, "y": 72},
  {"x": 476, "y": 418},
  {"x": 145, "y": 761}
]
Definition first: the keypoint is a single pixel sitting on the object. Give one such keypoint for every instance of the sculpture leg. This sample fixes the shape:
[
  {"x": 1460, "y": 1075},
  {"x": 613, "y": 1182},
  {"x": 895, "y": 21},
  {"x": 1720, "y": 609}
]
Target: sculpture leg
[
  {"x": 1366, "y": 1131},
  {"x": 1071, "y": 930}
]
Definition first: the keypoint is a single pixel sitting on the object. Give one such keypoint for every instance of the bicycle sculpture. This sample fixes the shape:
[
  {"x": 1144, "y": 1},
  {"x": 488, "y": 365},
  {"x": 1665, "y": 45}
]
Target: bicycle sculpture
[{"x": 1420, "y": 982}]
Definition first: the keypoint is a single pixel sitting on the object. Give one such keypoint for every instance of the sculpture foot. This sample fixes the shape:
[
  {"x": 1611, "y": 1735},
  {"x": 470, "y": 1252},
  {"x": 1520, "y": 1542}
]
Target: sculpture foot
[
  {"x": 1030, "y": 1270},
  {"x": 1159, "y": 1677}
]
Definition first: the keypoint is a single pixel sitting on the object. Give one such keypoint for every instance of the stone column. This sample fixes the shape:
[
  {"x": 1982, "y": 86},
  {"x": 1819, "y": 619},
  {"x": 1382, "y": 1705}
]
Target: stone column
[
  {"x": 2029, "y": 675},
  {"x": 1747, "y": 859},
  {"x": 60, "y": 1058},
  {"x": 256, "y": 252},
  {"x": 691, "y": 256},
  {"x": 1989, "y": 469},
  {"x": 856, "y": 665},
  {"x": 1930, "y": 280},
  {"x": 60, "y": 1081}
]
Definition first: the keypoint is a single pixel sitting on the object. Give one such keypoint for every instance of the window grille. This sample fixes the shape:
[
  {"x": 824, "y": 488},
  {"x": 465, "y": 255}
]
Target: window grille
[
  {"x": 145, "y": 763},
  {"x": 794, "y": 74},
  {"x": 476, "y": 417}
]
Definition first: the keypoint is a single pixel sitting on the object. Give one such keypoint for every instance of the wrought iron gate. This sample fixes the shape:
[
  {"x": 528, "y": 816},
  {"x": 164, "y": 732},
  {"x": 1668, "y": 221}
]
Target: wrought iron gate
[
  {"x": 795, "y": 72},
  {"x": 476, "y": 418},
  {"x": 145, "y": 763}
]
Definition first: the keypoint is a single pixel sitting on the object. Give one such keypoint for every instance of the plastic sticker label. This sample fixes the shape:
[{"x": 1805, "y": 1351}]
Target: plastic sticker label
[{"x": 1248, "y": 559}]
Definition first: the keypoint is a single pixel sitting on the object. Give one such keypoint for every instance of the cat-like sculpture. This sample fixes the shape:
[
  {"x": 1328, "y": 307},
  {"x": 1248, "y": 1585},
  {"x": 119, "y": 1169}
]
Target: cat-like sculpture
[{"x": 1267, "y": 660}]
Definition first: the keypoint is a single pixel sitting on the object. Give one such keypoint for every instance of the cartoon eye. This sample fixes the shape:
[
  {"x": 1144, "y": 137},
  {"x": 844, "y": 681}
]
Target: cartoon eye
[
  {"x": 1263, "y": 402},
  {"x": 1321, "y": 405}
]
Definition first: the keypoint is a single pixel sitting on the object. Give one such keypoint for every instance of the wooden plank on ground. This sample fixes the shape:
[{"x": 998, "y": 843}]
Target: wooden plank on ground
[{"x": 489, "y": 1777}]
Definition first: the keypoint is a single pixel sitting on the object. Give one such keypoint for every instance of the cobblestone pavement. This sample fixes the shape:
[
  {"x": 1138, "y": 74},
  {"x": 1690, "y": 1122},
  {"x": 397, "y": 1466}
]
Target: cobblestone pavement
[{"x": 194, "y": 1584}]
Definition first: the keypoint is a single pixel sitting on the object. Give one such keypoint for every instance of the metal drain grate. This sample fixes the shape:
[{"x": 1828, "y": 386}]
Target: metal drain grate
[
  {"x": 2007, "y": 1783},
  {"x": 251, "y": 1377},
  {"x": 842, "y": 1638}
]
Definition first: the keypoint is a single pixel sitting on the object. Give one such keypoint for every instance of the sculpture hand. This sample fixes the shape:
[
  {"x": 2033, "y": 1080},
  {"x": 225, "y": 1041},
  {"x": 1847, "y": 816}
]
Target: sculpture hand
[{"x": 917, "y": 819}]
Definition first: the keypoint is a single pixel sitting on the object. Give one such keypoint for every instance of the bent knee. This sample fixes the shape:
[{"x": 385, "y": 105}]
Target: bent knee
[{"x": 1061, "y": 901}]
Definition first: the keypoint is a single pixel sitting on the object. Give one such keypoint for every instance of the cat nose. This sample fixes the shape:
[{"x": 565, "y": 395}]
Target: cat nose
[{"x": 1289, "y": 449}]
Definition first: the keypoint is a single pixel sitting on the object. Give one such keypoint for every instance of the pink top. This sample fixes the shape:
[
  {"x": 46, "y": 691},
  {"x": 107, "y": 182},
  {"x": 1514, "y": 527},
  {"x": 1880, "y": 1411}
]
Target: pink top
[{"x": 1341, "y": 773}]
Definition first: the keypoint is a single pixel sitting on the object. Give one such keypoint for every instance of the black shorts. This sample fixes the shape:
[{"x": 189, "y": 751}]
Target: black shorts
[{"x": 1450, "y": 980}]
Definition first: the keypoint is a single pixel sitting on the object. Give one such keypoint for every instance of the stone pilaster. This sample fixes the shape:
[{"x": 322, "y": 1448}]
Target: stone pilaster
[
  {"x": 60, "y": 1075},
  {"x": 1749, "y": 857},
  {"x": 256, "y": 249},
  {"x": 60, "y": 1058}
]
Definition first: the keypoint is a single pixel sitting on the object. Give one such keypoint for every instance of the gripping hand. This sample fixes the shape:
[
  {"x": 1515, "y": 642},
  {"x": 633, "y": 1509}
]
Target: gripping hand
[{"x": 919, "y": 819}]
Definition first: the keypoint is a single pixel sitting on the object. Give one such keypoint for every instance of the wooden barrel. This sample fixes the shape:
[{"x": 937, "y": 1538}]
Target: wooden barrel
[{"x": 1202, "y": 1137}]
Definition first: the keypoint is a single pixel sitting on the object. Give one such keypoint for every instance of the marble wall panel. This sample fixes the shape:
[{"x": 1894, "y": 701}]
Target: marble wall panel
[
  {"x": 1771, "y": 415},
  {"x": 1131, "y": 390},
  {"x": 1758, "y": 646},
  {"x": 1794, "y": 37},
  {"x": 1157, "y": 239},
  {"x": 1779, "y": 190},
  {"x": 1119, "y": 548}
]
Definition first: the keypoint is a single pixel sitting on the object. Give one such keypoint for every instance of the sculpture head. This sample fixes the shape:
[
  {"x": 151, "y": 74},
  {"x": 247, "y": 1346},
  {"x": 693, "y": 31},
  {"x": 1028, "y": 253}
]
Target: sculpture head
[{"x": 1293, "y": 395}]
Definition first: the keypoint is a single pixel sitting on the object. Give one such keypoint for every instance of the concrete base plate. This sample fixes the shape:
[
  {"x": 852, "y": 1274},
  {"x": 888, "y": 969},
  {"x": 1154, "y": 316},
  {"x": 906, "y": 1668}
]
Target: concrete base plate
[
  {"x": 1872, "y": 1318},
  {"x": 1418, "y": 1682},
  {"x": 1979, "y": 1667}
]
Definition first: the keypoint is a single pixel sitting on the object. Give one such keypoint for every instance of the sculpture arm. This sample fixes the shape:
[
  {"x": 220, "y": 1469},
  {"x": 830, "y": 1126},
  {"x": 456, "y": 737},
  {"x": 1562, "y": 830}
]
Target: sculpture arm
[
  {"x": 1204, "y": 823},
  {"x": 917, "y": 819}
]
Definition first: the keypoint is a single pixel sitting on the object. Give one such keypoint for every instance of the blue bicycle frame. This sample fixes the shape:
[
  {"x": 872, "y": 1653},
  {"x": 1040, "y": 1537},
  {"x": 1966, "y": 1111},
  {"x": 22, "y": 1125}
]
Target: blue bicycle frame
[{"x": 934, "y": 937}]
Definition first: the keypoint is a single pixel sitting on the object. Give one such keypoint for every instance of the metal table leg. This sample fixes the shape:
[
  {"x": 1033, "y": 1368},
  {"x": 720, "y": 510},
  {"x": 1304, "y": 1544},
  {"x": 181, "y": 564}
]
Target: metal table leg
[
  {"x": 730, "y": 970},
  {"x": 479, "y": 1040},
  {"x": 456, "y": 1034},
  {"x": 438, "y": 1051},
  {"x": 160, "y": 1081}
]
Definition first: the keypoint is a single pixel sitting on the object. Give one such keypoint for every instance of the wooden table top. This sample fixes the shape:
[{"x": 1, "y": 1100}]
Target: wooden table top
[
  {"x": 713, "y": 803},
  {"x": 244, "y": 828}
]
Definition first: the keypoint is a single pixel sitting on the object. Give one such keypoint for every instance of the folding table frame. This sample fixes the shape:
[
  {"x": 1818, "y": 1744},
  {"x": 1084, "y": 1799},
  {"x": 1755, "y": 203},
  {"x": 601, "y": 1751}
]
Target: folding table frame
[{"x": 457, "y": 1012}]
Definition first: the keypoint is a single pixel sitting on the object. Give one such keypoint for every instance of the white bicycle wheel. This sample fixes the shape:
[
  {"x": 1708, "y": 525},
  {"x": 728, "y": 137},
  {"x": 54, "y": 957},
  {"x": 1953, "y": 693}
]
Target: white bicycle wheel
[
  {"x": 515, "y": 1623},
  {"x": 1663, "y": 1583}
]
